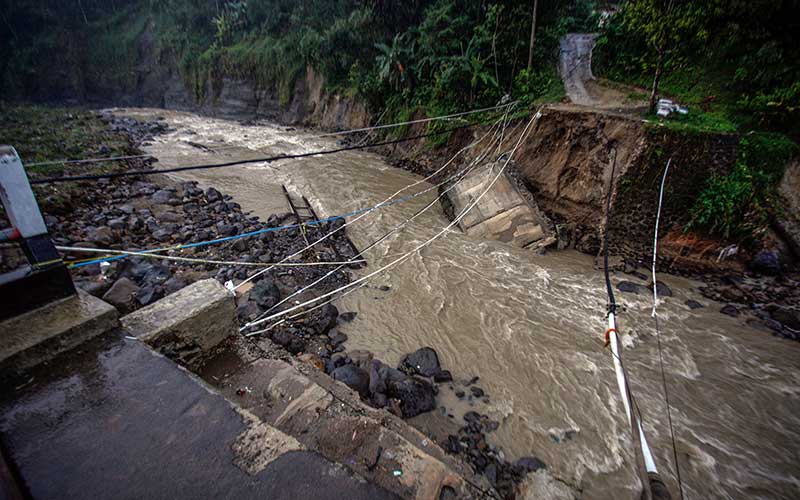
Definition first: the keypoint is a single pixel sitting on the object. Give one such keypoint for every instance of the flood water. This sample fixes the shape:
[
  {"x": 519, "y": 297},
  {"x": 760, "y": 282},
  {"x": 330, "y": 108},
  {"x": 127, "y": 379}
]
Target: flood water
[{"x": 532, "y": 328}]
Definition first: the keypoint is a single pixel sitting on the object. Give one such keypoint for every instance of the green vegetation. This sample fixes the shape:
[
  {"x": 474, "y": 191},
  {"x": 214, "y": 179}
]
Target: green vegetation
[
  {"x": 735, "y": 65},
  {"x": 732, "y": 62},
  {"x": 438, "y": 55},
  {"x": 41, "y": 133},
  {"x": 738, "y": 206}
]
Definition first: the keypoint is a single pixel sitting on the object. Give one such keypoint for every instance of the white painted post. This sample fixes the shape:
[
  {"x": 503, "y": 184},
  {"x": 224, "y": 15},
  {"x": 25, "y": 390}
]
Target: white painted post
[{"x": 23, "y": 211}]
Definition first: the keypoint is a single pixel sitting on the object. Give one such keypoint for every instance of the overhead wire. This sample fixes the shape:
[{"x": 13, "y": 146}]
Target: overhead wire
[
  {"x": 87, "y": 160},
  {"x": 646, "y": 464},
  {"x": 386, "y": 203},
  {"x": 199, "y": 260},
  {"x": 224, "y": 239},
  {"x": 413, "y": 122},
  {"x": 453, "y": 180},
  {"x": 425, "y": 243},
  {"x": 367, "y": 212},
  {"x": 270, "y": 159}
]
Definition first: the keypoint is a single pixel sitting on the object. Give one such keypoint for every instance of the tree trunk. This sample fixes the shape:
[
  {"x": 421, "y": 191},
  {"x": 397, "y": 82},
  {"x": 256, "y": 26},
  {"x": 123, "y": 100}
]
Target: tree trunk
[
  {"x": 533, "y": 34},
  {"x": 657, "y": 78},
  {"x": 662, "y": 49}
]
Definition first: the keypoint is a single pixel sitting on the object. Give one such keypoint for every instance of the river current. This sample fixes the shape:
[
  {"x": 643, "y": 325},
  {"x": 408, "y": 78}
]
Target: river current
[{"x": 531, "y": 326}]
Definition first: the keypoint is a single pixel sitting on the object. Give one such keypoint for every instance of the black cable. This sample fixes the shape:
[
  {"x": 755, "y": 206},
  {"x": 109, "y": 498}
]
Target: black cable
[
  {"x": 660, "y": 353},
  {"x": 669, "y": 411},
  {"x": 110, "y": 175},
  {"x": 612, "y": 305}
]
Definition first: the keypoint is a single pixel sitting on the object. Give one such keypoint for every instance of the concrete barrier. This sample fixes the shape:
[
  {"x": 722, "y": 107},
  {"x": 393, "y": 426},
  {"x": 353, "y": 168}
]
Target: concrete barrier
[{"x": 188, "y": 324}]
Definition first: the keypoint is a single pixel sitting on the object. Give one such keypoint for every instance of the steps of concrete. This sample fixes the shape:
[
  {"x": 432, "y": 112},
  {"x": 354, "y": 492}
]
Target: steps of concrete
[
  {"x": 42, "y": 333},
  {"x": 328, "y": 417}
]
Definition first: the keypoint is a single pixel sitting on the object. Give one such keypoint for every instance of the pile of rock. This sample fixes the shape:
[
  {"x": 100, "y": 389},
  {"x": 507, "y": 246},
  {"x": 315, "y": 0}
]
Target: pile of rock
[
  {"x": 771, "y": 302},
  {"x": 137, "y": 131},
  {"x": 127, "y": 214},
  {"x": 470, "y": 444}
]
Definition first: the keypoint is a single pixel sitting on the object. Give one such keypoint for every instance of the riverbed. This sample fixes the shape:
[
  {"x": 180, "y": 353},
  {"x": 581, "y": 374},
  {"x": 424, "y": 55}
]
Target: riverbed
[{"x": 531, "y": 327}]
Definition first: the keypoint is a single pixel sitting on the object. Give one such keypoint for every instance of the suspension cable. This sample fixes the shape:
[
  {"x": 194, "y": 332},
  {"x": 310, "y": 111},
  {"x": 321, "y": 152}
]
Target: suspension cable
[
  {"x": 412, "y": 122},
  {"x": 328, "y": 235},
  {"x": 422, "y": 245},
  {"x": 646, "y": 465},
  {"x": 268, "y": 159},
  {"x": 87, "y": 160},
  {"x": 456, "y": 178},
  {"x": 195, "y": 260}
]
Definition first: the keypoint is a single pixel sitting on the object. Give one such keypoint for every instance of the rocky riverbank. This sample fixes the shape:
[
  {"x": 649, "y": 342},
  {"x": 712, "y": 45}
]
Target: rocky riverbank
[{"x": 146, "y": 212}]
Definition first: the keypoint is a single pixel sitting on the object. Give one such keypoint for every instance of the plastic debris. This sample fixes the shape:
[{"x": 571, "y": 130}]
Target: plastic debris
[
  {"x": 397, "y": 473},
  {"x": 665, "y": 107}
]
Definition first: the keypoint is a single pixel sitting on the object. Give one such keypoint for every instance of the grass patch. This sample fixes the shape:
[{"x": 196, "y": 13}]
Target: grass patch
[{"x": 41, "y": 133}]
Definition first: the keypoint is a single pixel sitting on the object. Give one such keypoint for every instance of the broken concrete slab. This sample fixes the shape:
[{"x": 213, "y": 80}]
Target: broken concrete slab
[
  {"x": 41, "y": 334},
  {"x": 187, "y": 324},
  {"x": 502, "y": 213},
  {"x": 501, "y": 197},
  {"x": 328, "y": 417},
  {"x": 516, "y": 226},
  {"x": 117, "y": 420}
]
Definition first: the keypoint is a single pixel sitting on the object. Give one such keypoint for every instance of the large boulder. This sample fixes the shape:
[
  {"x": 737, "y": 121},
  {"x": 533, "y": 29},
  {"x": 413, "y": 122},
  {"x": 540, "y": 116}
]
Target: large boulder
[
  {"x": 265, "y": 293},
  {"x": 631, "y": 287},
  {"x": 415, "y": 395},
  {"x": 380, "y": 375},
  {"x": 423, "y": 362},
  {"x": 102, "y": 236},
  {"x": 212, "y": 195},
  {"x": 353, "y": 377},
  {"x": 767, "y": 262},
  {"x": 322, "y": 320},
  {"x": 145, "y": 270},
  {"x": 787, "y": 317},
  {"x": 122, "y": 295}
]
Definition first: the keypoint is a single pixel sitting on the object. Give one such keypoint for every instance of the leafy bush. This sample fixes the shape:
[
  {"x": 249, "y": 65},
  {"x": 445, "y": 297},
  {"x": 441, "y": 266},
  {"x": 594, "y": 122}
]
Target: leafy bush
[{"x": 737, "y": 206}]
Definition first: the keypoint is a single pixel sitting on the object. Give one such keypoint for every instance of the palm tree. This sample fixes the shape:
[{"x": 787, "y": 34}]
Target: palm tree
[{"x": 390, "y": 61}]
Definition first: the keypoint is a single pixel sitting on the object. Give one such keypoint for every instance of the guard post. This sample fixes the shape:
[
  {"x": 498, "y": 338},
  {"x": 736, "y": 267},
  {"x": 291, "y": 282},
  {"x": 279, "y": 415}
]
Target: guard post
[{"x": 45, "y": 279}]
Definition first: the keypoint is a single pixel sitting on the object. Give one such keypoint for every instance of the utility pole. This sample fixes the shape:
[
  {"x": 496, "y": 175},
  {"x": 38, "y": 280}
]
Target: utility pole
[{"x": 533, "y": 34}]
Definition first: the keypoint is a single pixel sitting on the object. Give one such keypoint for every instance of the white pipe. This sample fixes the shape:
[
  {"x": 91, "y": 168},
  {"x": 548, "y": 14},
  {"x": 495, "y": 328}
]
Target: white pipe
[
  {"x": 649, "y": 463},
  {"x": 655, "y": 238}
]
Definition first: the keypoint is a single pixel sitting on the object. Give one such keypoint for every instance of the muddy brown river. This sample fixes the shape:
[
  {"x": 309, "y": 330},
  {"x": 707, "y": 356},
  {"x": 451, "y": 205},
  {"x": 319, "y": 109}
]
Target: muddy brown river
[{"x": 532, "y": 328}]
